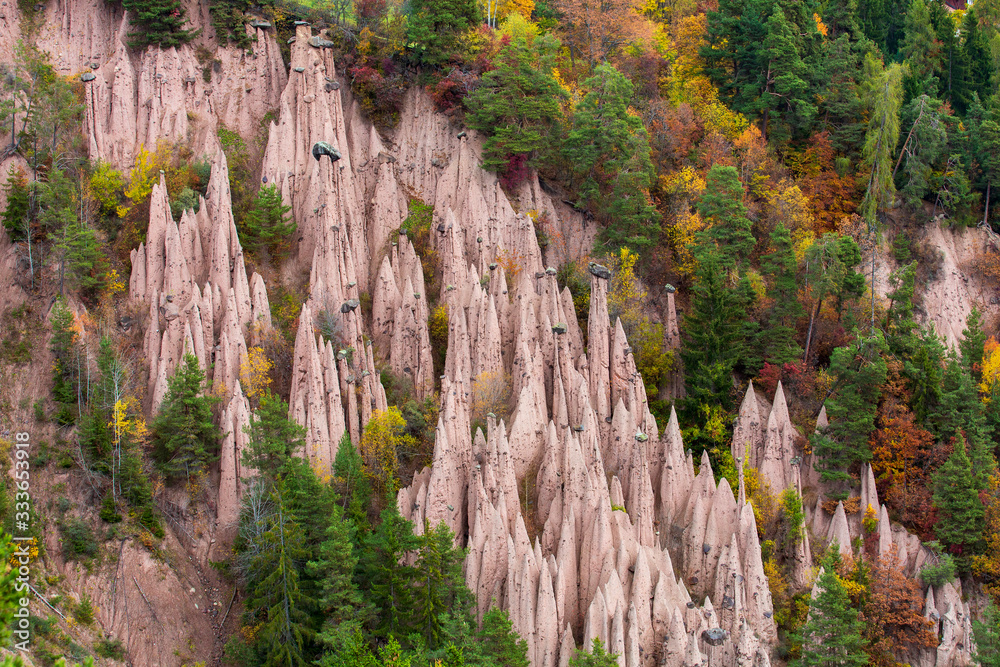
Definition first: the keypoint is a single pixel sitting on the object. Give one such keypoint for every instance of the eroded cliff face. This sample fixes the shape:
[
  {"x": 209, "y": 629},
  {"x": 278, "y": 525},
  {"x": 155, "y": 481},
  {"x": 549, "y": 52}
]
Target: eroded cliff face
[{"x": 580, "y": 519}]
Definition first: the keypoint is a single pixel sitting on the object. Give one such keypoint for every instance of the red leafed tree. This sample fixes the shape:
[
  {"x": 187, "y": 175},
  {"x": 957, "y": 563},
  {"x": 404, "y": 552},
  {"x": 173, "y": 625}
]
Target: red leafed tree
[
  {"x": 832, "y": 196},
  {"x": 903, "y": 457},
  {"x": 892, "y": 614}
]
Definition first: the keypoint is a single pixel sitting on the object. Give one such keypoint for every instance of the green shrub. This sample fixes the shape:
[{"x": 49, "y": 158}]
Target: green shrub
[
  {"x": 940, "y": 570},
  {"x": 78, "y": 540},
  {"x": 110, "y": 648},
  {"x": 85, "y": 610},
  {"x": 109, "y": 510}
]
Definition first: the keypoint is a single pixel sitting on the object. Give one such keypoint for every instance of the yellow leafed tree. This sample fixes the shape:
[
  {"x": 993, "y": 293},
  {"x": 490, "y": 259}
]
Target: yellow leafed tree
[
  {"x": 255, "y": 372},
  {"x": 384, "y": 435},
  {"x": 991, "y": 368}
]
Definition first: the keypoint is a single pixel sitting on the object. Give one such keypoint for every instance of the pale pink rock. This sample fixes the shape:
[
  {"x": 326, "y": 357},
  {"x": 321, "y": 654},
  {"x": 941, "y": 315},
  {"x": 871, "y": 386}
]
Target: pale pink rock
[
  {"x": 567, "y": 647},
  {"x": 547, "y": 632},
  {"x": 839, "y": 531},
  {"x": 749, "y": 431}
]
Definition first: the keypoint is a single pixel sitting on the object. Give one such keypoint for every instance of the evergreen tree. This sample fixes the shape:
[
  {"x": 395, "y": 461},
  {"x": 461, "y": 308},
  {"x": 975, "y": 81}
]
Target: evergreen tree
[
  {"x": 921, "y": 49},
  {"x": 435, "y": 27},
  {"x": 832, "y": 636},
  {"x": 901, "y": 327},
  {"x": 499, "y": 641},
  {"x": 961, "y": 516},
  {"x": 65, "y": 368},
  {"x": 841, "y": 107},
  {"x": 786, "y": 90},
  {"x": 713, "y": 335},
  {"x": 959, "y": 412},
  {"x": 339, "y": 600},
  {"x": 860, "y": 371},
  {"x": 778, "y": 337},
  {"x": 885, "y": 99},
  {"x": 516, "y": 105},
  {"x": 725, "y": 217},
  {"x": 185, "y": 438},
  {"x": 274, "y": 590},
  {"x": 598, "y": 657},
  {"x": 973, "y": 78},
  {"x": 274, "y": 438},
  {"x": 268, "y": 225},
  {"x": 158, "y": 22},
  {"x": 439, "y": 585},
  {"x": 987, "y": 636},
  {"x": 971, "y": 345},
  {"x": 385, "y": 577},
  {"x": 924, "y": 148},
  {"x": 925, "y": 373},
  {"x": 607, "y": 149},
  {"x": 352, "y": 487}
]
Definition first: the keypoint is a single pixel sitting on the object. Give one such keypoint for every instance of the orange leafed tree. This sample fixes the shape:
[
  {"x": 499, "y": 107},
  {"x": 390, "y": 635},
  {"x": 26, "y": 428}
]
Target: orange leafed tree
[
  {"x": 599, "y": 29},
  {"x": 902, "y": 453},
  {"x": 832, "y": 196},
  {"x": 892, "y": 613}
]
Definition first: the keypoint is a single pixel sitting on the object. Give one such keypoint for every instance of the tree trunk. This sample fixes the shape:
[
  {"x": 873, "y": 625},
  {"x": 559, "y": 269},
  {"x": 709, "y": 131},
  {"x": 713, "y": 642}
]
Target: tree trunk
[{"x": 812, "y": 320}]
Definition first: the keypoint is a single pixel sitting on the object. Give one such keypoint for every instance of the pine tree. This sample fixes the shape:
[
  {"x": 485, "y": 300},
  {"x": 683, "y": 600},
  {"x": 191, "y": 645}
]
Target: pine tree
[
  {"x": 924, "y": 148},
  {"x": 268, "y": 225},
  {"x": 921, "y": 49},
  {"x": 959, "y": 411},
  {"x": 158, "y": 22},
  {"x": 971, "y": 345},
  {"x": 598, "y": 657},
  {"x": 842, "y": 109},
  {"x": 435, "y": 26},
  {"x": 987, "y": 636},
  {"x": 725, "y": 217},
  {"x": 832, "y": 635},
  {"x": 786, "y": 92},
  {"x": 281, "y": 641},
  {"x": 517, "y": 104},
  {"x": 713, "y": 331},
  {"x": 339, "y": 600},
  {"x": 274, "y": 438},
  {"x": 439, "y": 585},
  {"x": 185, "y": 438},
  {"x": 860, "y": 371},
  {"x": 961, "y": 516},
  {"x": 389, "y": 580},
  {"x": 778, "y": 337},
  {"x": 608, "y": 151},
  {"x": 925, "y": 374},
  {"x": 500, "y": 642},
  {"x": 353, "y": 489},
  {"x": 900, "y": 325}
]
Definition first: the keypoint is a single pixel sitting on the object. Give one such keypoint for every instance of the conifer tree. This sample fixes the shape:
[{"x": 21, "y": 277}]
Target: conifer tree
[
  {"x": 900, "y": 325},
  {"x": 959, "y": 411},
  {"x": 517, "y": 104},
  {"x": 268, "y": 225},
  {"x": 281, "y": 641},
  {"x": 832, "y": 635},
  {"x": 713, "y": 329},
  {"x": 778, "y": 337},
  {"x": 388, "y": 578},
  {"x": 435, "y": 27},
  {"x": 961, "y": 516},
  {"x": 860, "y": 371},
  {"x": 971, "y": 345},
  {"x": 921, "y": 49},
  {"x": 987, "y": 636},
  {"x": 273, "y": 438},
  {"x": 158, "y": 22},
  {"x": 925, "y": 373},
  {"x": 352, "y": 487},
  {"x": 725, "y": 217},
  {"x": 439, "y": 585},
  {"x": 885, "y": 99},
  {"x": 608, "y": 151},
  {"x": 499, "y": 641},
  {"x": 786, "y": 90},
  {"x": 597, "y": 657},
  {"x": 185, "y": 439},
  {"x": 339, "y": 600}
]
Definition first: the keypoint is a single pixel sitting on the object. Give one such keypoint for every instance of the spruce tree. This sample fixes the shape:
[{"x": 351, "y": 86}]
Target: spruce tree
[
  {"x": 987, "y": 636},
  {"x": 281, "y": 640},
  {"x": 439, "y": 587},
  {"x": 158, "y": 23},
  {"x": 971, "y": 345},
  {"x": 352, "y": 487},
  {"x": 339, "y": 600},
  {"x": 274, "y": 438},
  {"x": 499, "y": 641},
  {"x": 713, "y": 331},
  {"x": 900, "y": 326},
  {"x": 860, "y": 371},
  {"x": 185, "y": 439},
  {"x": 435, "y": 27},
  {"x": 268, "y": 225},
  {"x": 921, "y": 49},
  {"x": 725, "y": 217},
  {"x": 597, "y": 657},
  {"x": 961, "y": 516},
  {"x": 778, "y": 337},
  {"x": 516, "y": 104},
  {"x": 608, "y": 151},
  {"x": 385, "y": 578},
  {"x": 959, "y": 411},
  {"x": 832, "y": 637},
  {"x": 786, "y": 102}
]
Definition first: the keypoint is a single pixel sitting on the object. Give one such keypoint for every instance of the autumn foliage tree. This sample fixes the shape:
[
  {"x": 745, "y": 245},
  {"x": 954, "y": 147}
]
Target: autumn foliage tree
[{"x": 892, "y": 613}]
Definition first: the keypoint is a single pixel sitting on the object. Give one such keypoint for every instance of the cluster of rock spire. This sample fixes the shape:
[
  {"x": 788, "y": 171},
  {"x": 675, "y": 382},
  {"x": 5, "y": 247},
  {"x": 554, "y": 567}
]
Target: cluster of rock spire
[{"x": 580, "y": 519}]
